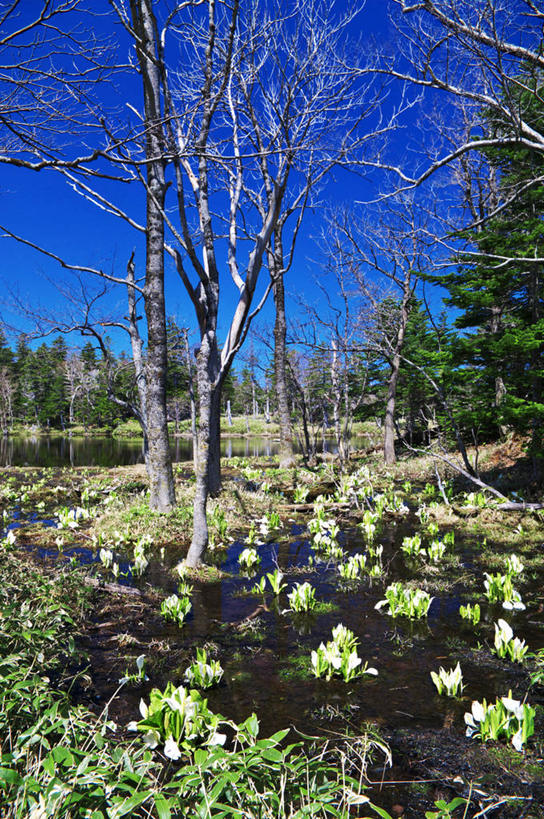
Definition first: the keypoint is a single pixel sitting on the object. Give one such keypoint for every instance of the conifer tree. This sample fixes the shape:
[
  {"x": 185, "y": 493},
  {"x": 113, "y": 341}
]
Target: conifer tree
[{"x": 499, "y": 288}]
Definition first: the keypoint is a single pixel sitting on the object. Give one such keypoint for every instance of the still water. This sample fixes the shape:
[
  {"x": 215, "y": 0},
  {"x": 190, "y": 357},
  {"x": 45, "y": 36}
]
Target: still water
[{"x": 58, "y": 450}]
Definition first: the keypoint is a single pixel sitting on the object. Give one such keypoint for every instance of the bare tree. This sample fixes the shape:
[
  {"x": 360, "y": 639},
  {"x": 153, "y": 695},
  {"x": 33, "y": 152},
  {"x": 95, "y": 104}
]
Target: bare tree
[
  {"x": 244, "y": 109},
  {"x": 51, "y": 60},
  {"x": 83, "y": 314},
  {"x": 252, "y": 105},
  {"x": 79, "y": 381},
  {"x": 334, "y": 335},
  {"x": 287, "y": 107},
  {"x": 385, "y": 253},
  {"x": 148, "y": 50},
  {"x": 61, "y": 104},
  {"x": 478, "y": 56}
]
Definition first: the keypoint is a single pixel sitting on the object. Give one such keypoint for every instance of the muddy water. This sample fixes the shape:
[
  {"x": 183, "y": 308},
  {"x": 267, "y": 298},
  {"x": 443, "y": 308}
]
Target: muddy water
[{"x": 262, "y": 647}]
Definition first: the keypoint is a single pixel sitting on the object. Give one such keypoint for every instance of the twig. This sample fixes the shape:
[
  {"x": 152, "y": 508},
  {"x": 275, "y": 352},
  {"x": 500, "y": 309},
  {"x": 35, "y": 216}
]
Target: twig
[{"x": 441, "y": 486}]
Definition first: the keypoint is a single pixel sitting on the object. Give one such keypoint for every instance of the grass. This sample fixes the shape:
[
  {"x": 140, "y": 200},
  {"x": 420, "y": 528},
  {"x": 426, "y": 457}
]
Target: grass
[{"x": 241, "y": 425}]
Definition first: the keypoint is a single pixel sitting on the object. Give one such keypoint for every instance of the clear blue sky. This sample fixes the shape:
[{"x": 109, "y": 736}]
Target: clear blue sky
[{"x": 42, "y": 208}]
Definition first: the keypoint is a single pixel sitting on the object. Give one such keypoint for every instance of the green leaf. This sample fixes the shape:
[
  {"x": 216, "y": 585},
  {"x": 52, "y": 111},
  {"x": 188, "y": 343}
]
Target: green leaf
[
  {"x": 126, "y": 806},
  {"x": 9, "y": 777},
  {"x": 201, "y": 757},
  {"x": 163, "y": 806},
  {"x": 279, "y": 736},
  {"x": 63, "y": 756},
  {"x": 272, "y": 755},
  {"x": 380, "y": 811}
]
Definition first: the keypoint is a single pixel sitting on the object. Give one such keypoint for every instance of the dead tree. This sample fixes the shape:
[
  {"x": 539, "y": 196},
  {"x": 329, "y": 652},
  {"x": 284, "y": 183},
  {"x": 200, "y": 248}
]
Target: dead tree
[
  {"x": 83, "y": 314},
  {"x": 334, "y": 334},
  {"x": 475, "y": 55},
  {"x": 243, "y": 109},
  {"x": 385, "y": 253},
  {"x": 50, "y": 64},
  {"x": 249, "y": 130},
  {"x": 6, "y": 401}
]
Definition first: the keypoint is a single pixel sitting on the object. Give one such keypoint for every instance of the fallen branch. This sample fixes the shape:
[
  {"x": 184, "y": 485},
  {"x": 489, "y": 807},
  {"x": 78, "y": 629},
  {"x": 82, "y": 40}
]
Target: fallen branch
[
  {"x": 522, "y": 506},
  {"x": 506, "y": 506},
  {"x": 441, "y": 486},
  {"x": 111, "y": 588},
  {"x": 458, "y": 468},
  {"x": 308, "y": 507}
]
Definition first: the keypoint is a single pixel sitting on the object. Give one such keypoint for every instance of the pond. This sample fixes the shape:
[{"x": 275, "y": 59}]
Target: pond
[
  {"x": 60, "y": 450},
  {"x": 265, "y": 648}
]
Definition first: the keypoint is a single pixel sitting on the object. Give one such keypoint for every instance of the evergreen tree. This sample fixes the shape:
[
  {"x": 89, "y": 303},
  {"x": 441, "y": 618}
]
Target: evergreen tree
[
  {"x": 6, "y": 355},
  {"x": 177, "y": 378},
  {"x": 500, "y": 292},
  {"x": 88, "y": 357}
]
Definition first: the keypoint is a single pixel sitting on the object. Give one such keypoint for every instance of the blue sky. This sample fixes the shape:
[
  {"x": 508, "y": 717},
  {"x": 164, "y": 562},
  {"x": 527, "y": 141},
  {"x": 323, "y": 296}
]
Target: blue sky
[{"x": 42, "y": 208}]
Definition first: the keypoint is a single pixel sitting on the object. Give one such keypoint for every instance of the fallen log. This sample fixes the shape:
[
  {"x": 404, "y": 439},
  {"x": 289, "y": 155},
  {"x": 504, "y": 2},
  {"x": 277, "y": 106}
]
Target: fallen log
[
  {"x": 509, "y": 506},
  {"x": 112, "y": 588},
  {"x": 513, "y": 506}
]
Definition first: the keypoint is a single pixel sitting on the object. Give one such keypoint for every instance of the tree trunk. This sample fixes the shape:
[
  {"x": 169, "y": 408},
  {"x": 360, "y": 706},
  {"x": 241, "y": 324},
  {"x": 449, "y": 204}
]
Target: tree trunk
[
  {"x": 308, "y": 453},
  {"x": 390, "y": 456},
  {"x": 162, "y": 494},
  {"x": 500, "y": 387},
  {"x": 536, "y": 380},
  {"x": 214, "y": 452},
  {"x": 389, "y": 422},
  {"x": 161, "y": 480},
  {"x": 336, "y": 403},
  {"x": 191, "y": 387},
  {"x": 286, "y": 453},
  {"x": 136, "y": 344},
  {"x": 207, "y": 364}
]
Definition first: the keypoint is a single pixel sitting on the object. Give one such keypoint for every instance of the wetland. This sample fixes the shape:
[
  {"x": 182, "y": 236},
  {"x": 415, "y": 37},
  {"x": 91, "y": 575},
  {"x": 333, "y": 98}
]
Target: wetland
[{"x": 356, "y": 540}]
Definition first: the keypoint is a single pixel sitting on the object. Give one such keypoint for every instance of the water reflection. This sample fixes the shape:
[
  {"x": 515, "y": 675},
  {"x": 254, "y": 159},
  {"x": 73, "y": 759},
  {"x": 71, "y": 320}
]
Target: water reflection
[{"x": 59, "y": 450}]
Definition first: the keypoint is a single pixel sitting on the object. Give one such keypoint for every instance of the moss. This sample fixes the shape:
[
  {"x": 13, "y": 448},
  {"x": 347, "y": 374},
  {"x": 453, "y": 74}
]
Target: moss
[
  {"x": 128, "y": 429},
  {"x": 298, "y": 668},
  {"x": 326, "y": 606},
  {"x": 508, "y": 759},
  {"x": 207, "y": 574}
]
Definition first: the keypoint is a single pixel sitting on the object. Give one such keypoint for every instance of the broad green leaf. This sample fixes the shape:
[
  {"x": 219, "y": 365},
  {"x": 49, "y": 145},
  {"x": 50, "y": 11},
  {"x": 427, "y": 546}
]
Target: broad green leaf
[
  {"x": 9, "y": 777},
  {"x": 163, "y": 806}
]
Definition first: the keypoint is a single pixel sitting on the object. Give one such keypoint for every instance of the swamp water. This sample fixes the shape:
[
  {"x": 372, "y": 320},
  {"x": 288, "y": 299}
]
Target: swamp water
[
  {"x": 60, "y": 450},
  {"x": 265, "y": 649}
]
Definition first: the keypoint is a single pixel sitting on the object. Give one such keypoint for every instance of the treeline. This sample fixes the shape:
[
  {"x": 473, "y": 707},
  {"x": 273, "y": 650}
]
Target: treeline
[
  {"x": 449, "y": 387},
  {"x": 55, "y": 386}
]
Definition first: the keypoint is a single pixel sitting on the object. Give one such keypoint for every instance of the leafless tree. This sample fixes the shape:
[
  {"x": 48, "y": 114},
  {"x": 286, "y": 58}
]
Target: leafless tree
[
  {"x": 385, "y": 253},
  {"x": 51, "y": 59},
  {"x": 244, "y": 109},
  {"x": 254, "y": 102},
  {"x": 54, "y": 105},
  {"x": 79, "y": 380},
  {"x": 84, "y": 313},
  {"x": 333, "y": 334},
  {"x": 472, "y": 56}
]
